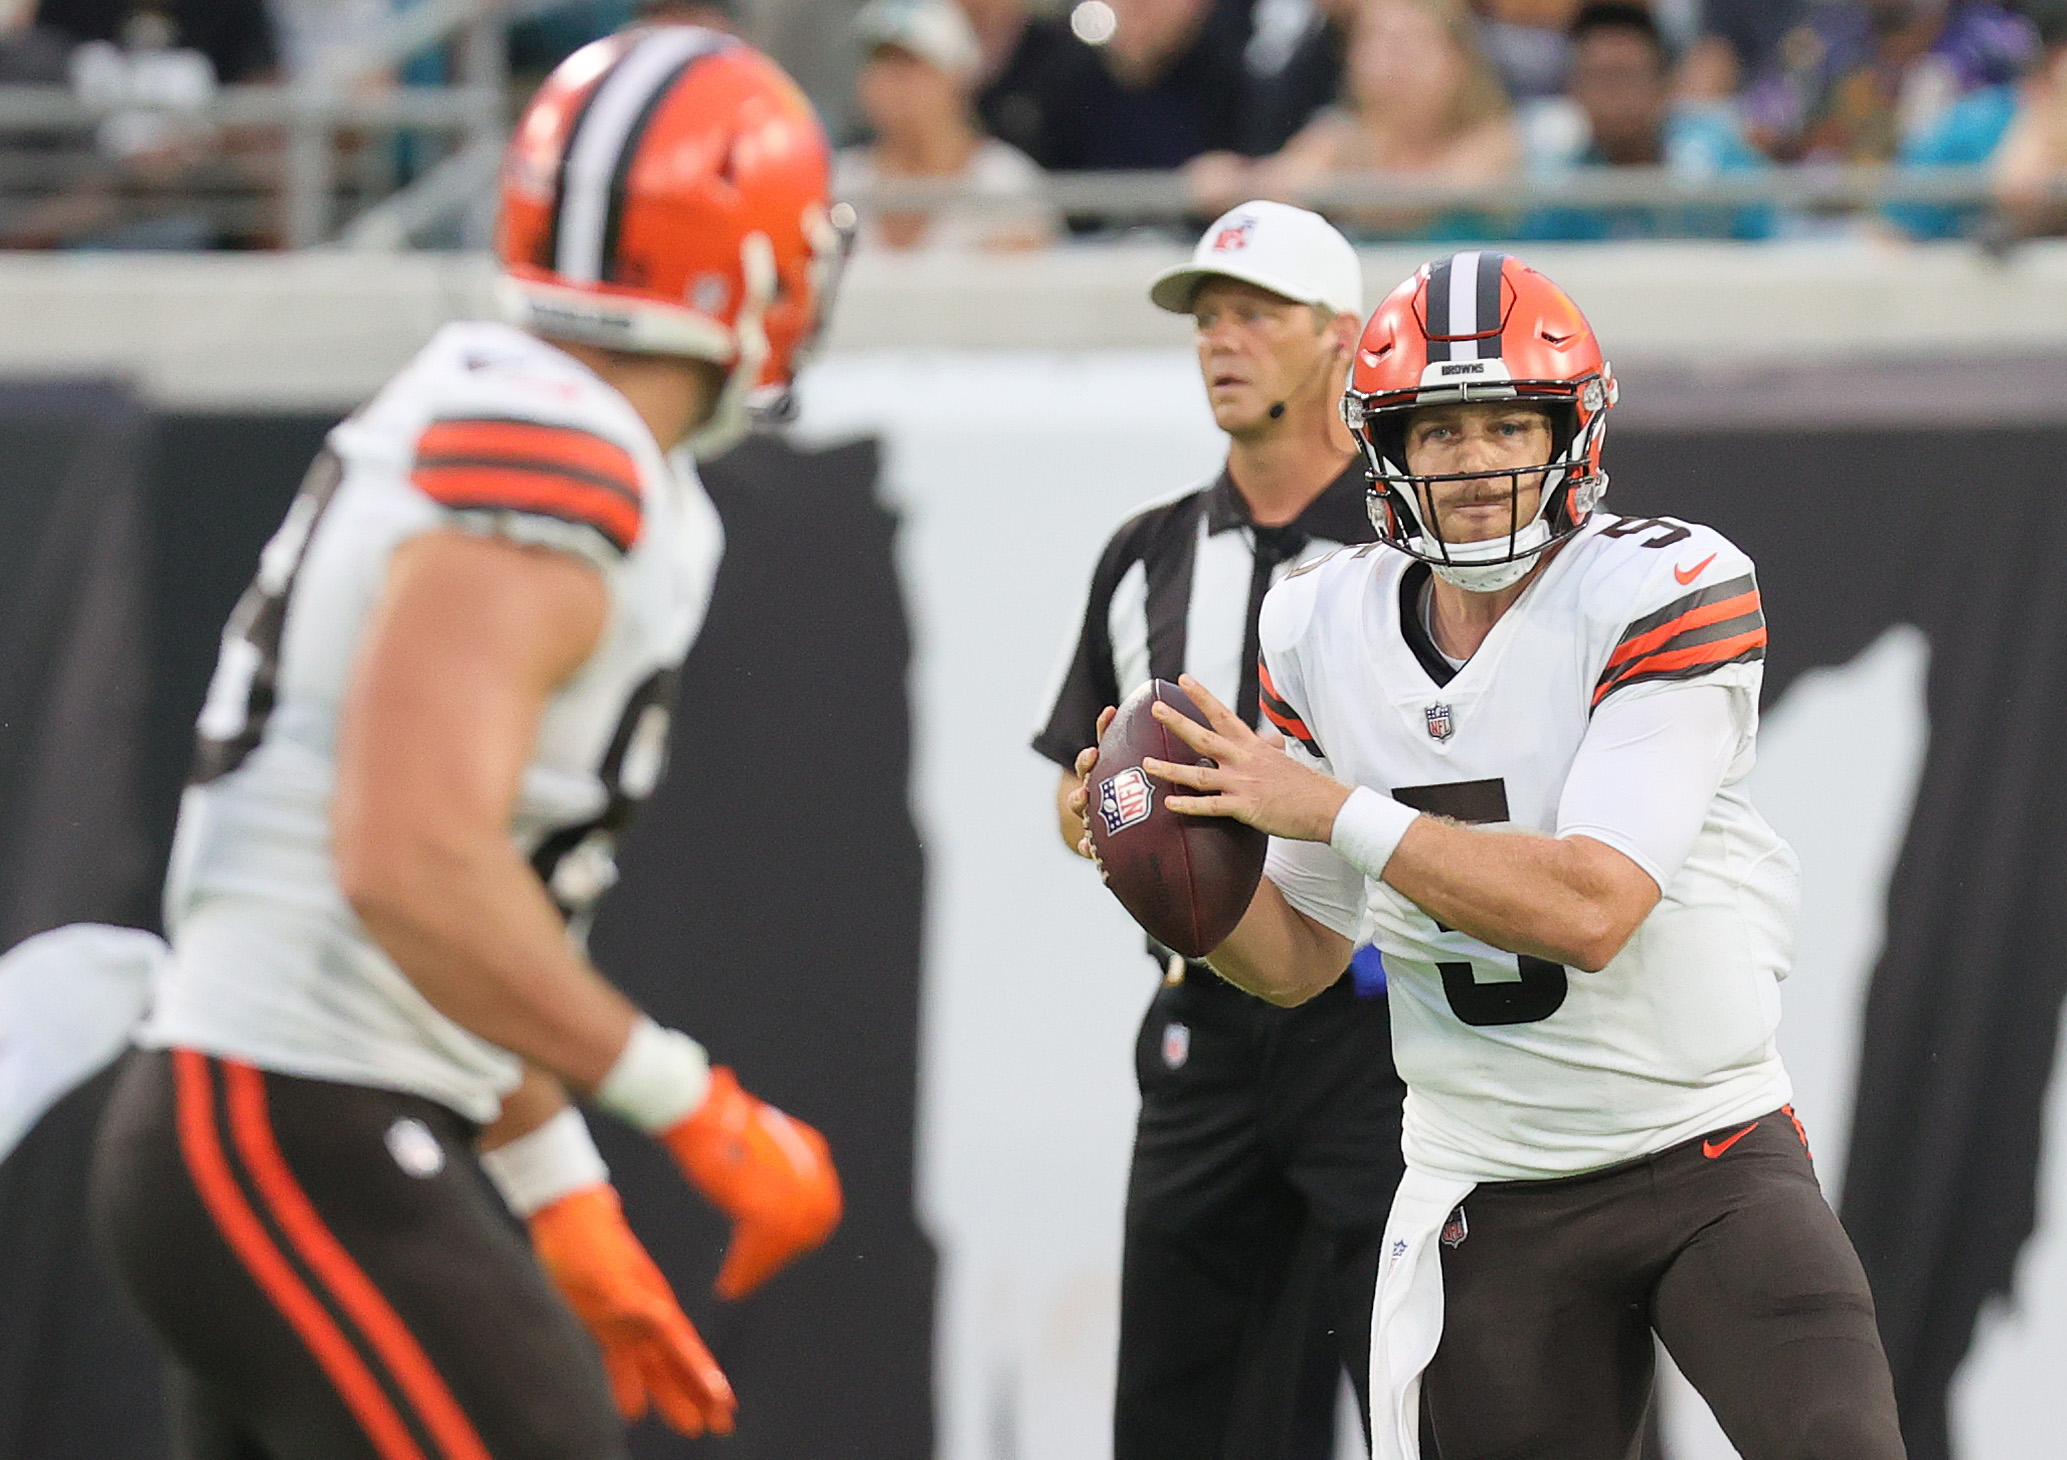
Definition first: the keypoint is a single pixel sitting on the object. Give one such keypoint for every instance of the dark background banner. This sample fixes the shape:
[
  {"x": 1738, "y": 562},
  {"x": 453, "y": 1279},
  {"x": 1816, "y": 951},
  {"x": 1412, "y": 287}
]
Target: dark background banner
[{"x": 772, "y": 896}]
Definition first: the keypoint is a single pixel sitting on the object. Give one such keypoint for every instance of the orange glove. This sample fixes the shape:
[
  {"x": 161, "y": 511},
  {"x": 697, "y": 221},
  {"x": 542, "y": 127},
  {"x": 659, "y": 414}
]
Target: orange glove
[
  {"x": 772, "y": 1175},
  {"x": 650, "y": 1349}
]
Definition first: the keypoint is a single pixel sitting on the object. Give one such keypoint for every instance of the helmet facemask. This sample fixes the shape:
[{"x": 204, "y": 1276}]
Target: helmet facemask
[
  {"x": 1480, "y": 327},
  {"x": 1401, "y": 503}
]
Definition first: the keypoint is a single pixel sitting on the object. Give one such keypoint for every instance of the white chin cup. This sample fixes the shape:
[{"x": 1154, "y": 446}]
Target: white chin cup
[{"x": 1489, "y": 566}]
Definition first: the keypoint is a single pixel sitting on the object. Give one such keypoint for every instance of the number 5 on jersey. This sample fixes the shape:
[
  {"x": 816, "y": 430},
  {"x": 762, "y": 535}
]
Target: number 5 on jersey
[{"x": 1484, "y": 993}]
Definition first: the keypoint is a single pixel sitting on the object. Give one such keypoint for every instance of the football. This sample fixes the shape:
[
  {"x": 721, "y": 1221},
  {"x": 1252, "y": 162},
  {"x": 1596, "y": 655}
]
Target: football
[{"x": 1186, "y": 879}]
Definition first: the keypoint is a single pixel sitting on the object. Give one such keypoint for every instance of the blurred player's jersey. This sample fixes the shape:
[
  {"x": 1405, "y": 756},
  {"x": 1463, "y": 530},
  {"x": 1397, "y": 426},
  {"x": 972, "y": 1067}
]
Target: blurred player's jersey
[
  {"x": 1518, "y": 1068},
  {"x": 490, "y": 431}
]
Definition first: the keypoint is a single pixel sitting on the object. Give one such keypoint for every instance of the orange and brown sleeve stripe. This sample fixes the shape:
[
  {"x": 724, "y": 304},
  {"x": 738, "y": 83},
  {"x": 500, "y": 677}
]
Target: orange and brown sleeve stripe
[
  {"x": 1689, "y": 637},
  {"x": 489, "y": 464},
  {"x": 1278, "y": 710}
]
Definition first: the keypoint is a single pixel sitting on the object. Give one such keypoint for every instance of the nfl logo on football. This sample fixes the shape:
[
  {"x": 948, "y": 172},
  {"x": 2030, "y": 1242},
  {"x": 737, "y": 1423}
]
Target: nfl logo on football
[
  {"x": 1125, "y": 799},
  {"x": 1438, "y": 717}
]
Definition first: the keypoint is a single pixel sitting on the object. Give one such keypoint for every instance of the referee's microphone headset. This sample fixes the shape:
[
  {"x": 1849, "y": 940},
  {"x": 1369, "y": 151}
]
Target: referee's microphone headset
[{"x": 1277, "y": 407}]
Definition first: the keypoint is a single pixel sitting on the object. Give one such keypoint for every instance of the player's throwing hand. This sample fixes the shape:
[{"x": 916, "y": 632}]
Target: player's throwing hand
[{"x": 1252, "y": 779}]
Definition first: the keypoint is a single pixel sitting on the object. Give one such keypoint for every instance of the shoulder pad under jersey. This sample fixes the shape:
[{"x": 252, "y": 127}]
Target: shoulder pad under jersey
[{"x": 1670, "y": 600}]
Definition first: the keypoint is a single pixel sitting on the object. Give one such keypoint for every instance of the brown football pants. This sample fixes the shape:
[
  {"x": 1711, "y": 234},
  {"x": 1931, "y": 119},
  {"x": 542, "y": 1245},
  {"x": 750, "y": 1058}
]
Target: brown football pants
[{"x": 1724, "y": 1245}]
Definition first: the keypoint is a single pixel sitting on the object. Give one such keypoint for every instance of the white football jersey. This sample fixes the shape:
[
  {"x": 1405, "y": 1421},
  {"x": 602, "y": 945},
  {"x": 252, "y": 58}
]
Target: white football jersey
[
  {"x": 1518, "y": 1068},
  {"x": 489, "y": 430}
]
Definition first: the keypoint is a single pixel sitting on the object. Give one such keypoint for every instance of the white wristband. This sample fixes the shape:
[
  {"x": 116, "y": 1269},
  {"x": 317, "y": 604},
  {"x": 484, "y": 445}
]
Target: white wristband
[
  {"x": 538, "y": 1168},
  {"x": 659, "y": 1079},
  {"x": 1368, "y": 829}
]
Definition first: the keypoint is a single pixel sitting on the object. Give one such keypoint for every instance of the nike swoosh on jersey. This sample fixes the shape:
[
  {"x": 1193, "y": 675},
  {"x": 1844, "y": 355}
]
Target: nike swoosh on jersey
[
  {"x": 1712, "y": 1149},
  {"x": 1688, "y": 575}
]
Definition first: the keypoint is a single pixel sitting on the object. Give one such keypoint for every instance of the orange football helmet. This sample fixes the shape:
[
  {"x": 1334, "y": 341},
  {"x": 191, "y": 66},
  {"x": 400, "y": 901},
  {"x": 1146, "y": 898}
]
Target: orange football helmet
[
  {"x": 1480, "y": 326},
  {"x": 666, "y": 191}
]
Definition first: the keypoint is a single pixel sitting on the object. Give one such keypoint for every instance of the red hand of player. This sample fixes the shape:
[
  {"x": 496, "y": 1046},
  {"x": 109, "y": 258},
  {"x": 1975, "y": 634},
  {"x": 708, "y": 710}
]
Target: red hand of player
[
  {"x": 772, "y": 1175},
  {"x": 650, "y": 1349},
  {"x": 1251, "y": 780}
]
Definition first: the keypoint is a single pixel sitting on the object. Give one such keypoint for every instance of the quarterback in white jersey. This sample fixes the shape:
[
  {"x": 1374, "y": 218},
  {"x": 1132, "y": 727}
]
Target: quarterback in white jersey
[
  {"x": 436, "y": 707},
  {"x": 1515, "y": 735},
  {"x": 1673, "y": 1036}
]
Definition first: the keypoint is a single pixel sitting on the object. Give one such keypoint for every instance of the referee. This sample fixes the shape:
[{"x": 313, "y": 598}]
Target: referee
[{"x": 1269, "y": 1139}]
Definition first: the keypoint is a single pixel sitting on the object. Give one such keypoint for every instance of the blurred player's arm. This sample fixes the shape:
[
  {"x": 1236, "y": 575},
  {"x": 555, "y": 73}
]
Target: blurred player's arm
[
  {"x": 471, "y": 638},
  {"x": 469, "y": 641},
  {"x": 1571, "y": 899}
]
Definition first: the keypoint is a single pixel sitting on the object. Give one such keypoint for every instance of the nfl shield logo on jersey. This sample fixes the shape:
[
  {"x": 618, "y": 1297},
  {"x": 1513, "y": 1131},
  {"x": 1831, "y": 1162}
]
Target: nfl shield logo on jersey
[
  {"x": 1125, "y": 799},
  {"x": 1176, "y": 1044},
  {"x": 1438, "y": 717}
]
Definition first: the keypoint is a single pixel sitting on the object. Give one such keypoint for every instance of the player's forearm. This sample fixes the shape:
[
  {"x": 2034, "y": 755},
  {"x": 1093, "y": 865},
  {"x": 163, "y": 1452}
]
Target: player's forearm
[
  {"x": 1551, "y": 898},
  {"x": 466, "y": 919},
  {"x": 1278, "y": 953}
]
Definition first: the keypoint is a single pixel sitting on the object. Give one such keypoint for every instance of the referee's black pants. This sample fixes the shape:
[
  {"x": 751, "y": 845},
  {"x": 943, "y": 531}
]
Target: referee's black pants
[{"x": 1264, "y": 1165}]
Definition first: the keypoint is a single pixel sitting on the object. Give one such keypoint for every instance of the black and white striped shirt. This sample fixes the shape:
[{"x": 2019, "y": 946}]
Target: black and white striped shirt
[{"x": 1177, "y": 591}]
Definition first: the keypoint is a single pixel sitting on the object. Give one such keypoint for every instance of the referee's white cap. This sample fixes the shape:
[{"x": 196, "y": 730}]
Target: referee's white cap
[{"x": 1274, "y": 246}]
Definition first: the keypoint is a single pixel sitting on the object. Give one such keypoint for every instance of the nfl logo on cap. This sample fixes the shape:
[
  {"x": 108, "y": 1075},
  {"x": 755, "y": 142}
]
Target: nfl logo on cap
[
  {"x": 1438, "y": 717},
  {"x": 1233, "y": 234}
]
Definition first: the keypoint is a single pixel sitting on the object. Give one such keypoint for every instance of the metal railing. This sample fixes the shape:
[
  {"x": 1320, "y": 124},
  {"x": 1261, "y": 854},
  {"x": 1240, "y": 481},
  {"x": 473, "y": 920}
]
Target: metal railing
[
  {"x": 303, "y": 164},
  {"x": 1161, "y": 197},
  {"x": 277, "y": 163}
]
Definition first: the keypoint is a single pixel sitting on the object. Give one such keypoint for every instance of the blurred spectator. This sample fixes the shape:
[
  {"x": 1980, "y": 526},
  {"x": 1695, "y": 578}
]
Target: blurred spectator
[
  {"x": 1967, "y": 133},
  {"x": 2032, "y": 160},
  {"x": 710, "y": 14},
  {"x": 915, "y": 92},
  {"x": 1122, "y": 84},
  {"x": 1618, "y": 111},
  {"x": 147, "y": 179},
  {"x": 1856, "y": 81},
  {"x": 1291, "y": 69},
  {"x": 1738, "y": 39},
  {"x": 30, "y": 54},
  {"x": 999, "y": 25},
  {"x": 1029, "y": 65},
  {"x": 1526, "y": 42},
  {"x": 1419, "y": 99},
  {"x": 235, "y": 35}
]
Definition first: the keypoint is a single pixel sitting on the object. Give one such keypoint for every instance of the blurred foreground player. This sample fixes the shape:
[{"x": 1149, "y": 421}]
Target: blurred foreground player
[
  {"x": 436, "y": 709},
  {"x": 1517, "y": 746},
  {"x": 1268, "y": 1144}
]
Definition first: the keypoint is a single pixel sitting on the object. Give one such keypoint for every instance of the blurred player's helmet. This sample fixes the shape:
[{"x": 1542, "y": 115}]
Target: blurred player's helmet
[
  {"x": 666, "y": 192},
  {"x": 1480, "y": 327}
]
